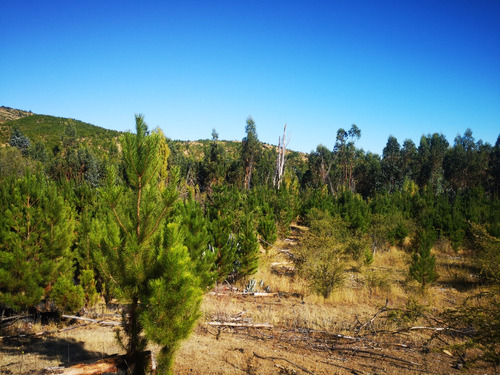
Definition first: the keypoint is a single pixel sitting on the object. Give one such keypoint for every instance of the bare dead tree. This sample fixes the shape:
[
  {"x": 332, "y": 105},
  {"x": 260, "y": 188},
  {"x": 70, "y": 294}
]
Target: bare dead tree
[{"x": 280, "y": 160}]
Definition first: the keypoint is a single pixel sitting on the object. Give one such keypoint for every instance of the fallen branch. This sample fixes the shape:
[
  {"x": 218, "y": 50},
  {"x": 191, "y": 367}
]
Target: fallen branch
[
  {"x": 374, "y": 316},
  {"x": 114, "y": 364},
  {"x": 283, "y": 359},
  {"x": 102, "y": 322},
  {"x": 435, "y": 329},
  {"x": 15, "y": 317},
  {"x": 336, "y": 335},
  {"x": 355, "y": 350},
  {"x": 240, "y": 325},
  {"x": 287, "y": 253},
  {"x": 258, "y": 294},
  {"x": 284, "y": 251},
  {"x": 43, "y": 333}
]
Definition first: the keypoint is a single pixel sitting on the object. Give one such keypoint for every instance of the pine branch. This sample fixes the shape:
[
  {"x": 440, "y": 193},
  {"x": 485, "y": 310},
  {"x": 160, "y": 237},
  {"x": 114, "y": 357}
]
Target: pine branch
[{"x": 119, "y": 221}]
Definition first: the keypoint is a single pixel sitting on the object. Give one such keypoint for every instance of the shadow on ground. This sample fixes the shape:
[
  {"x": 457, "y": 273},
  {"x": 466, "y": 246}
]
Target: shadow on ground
[
  {"x": 66, "y": 350},
  {"x": 463, "y": 278}
]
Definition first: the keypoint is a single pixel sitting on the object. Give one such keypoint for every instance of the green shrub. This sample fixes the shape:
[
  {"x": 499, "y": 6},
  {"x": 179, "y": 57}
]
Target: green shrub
[
  {"x": 320, "y": 255},
  {"x": 325, "y": 273},
  {"x": 400, "y": 232},
  {"x": 357, "y": 247},
  {"x": 368, "y": 256},
  {"x": 66, "y": 296},
  {"x": 378, "y": 280},
  {"x": 479, "y": 316},
  {"x": 87, "y": 282},
  {"x": 268, "y": 232}
]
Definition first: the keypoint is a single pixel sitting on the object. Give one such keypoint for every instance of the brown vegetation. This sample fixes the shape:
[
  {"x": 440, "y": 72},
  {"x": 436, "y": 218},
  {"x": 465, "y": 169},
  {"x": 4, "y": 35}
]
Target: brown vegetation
[
  {"x": 9, "y": 114},
  {"x": 378, "y": 322}
]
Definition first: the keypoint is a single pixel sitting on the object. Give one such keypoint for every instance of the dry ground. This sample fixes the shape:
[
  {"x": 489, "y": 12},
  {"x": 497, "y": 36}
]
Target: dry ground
[{"x": 361, "y": 329}]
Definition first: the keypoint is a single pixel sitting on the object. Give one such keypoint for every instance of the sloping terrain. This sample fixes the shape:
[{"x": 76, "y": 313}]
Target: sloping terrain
[
  {"x": 10, "y": 114},
  {"x": 49, "y": 129}
]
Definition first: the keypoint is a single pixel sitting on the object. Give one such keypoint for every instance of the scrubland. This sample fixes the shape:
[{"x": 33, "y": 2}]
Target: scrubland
[{"x": 378, "y": 321}]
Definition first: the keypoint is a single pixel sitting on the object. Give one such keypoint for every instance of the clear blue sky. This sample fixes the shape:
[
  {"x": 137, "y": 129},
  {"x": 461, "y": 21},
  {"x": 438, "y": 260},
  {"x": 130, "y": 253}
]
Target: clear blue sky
[{"x": 401, "y": 68}]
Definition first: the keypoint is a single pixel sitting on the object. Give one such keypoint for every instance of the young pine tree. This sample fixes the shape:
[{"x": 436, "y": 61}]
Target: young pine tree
[
  {"x": 143, "y": 259},
  {"x": 194, "y": 228},
  {"x": 423, "y": 265},
  {"x": 36, "y": 235},
  {"x": 223, "y": 209},
  {"x": 247, "y": 254}
]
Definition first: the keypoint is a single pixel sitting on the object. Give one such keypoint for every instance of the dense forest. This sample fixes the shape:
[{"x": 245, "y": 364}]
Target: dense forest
[{"x": 90, "y": 214}]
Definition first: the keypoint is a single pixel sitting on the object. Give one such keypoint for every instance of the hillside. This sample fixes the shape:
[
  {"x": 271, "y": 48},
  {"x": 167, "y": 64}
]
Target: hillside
[
  {"x": 48, "y": 129},
  {"x": 9, "y": 114}
]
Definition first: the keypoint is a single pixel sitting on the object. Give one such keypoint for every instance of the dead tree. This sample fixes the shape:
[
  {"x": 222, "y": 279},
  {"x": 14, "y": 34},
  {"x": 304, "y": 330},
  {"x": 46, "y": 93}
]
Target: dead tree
[{"x": 280, "y": 160}]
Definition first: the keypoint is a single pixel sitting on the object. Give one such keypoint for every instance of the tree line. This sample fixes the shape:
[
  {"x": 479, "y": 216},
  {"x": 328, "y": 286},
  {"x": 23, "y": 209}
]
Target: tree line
[{"x": 156, "y": 227}]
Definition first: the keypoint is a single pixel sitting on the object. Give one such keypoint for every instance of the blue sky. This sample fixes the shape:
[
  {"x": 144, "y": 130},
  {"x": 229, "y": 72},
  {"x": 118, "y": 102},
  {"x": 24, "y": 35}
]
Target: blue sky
[{"x": 401, "y": 68}]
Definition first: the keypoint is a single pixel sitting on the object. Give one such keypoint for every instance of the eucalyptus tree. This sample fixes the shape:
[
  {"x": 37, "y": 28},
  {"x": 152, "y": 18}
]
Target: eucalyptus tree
[
  {"x": 391, "y": 164},
  {"x": 345, "y": 151}
]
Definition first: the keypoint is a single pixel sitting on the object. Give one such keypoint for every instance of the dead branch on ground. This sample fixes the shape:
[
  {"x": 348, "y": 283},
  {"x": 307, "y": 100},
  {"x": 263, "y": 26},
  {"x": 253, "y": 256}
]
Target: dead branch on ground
[
  {"x": 370, "y": 322},
  {"x": 283, "y": 359},
  {"x": 357, "y": 350},
  {"x": 240, "y": 325},
  {"x": 102, "y": 322}
]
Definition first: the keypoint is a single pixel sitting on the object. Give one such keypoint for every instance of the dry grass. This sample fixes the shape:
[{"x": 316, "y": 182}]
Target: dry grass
[
  {"x": 305, "y": 325},
  {"x": 22, "y": 355}
]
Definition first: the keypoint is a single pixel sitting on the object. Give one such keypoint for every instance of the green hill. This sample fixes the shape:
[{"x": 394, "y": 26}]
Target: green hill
[
  {"x": 49, "y": 129},
  {"x": 9, "y": 114}
]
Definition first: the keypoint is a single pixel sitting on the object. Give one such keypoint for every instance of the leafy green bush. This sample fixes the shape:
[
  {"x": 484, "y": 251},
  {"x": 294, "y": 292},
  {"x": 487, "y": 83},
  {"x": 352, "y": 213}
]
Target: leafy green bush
[
  {"x": 247, "y": 253},
  {"x": 400, "y": 232},
  {"x": 320, "y": 255},
  {"x": 357, "y": 246},
  {"x": 325, "y": 273},
  {"x": 410, "y": 314}
]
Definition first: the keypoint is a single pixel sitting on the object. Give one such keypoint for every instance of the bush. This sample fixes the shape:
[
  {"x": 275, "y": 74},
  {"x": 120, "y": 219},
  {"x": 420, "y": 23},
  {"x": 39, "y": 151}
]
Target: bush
[
  {"x": 67, "y": 296},
  {"x": 357, "y": 247},
  {"x": 480, "y": 318},
  {"x": 326, "y": 273},
  {"x": 88, "y": 284},
  {"x": 378, "y": 280},
  {"x": 320, "y": 255},
  {"x": 268, "y": 232},
  {"x": 488, "y": 253},
  {"x": 400, "y": 232}
]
